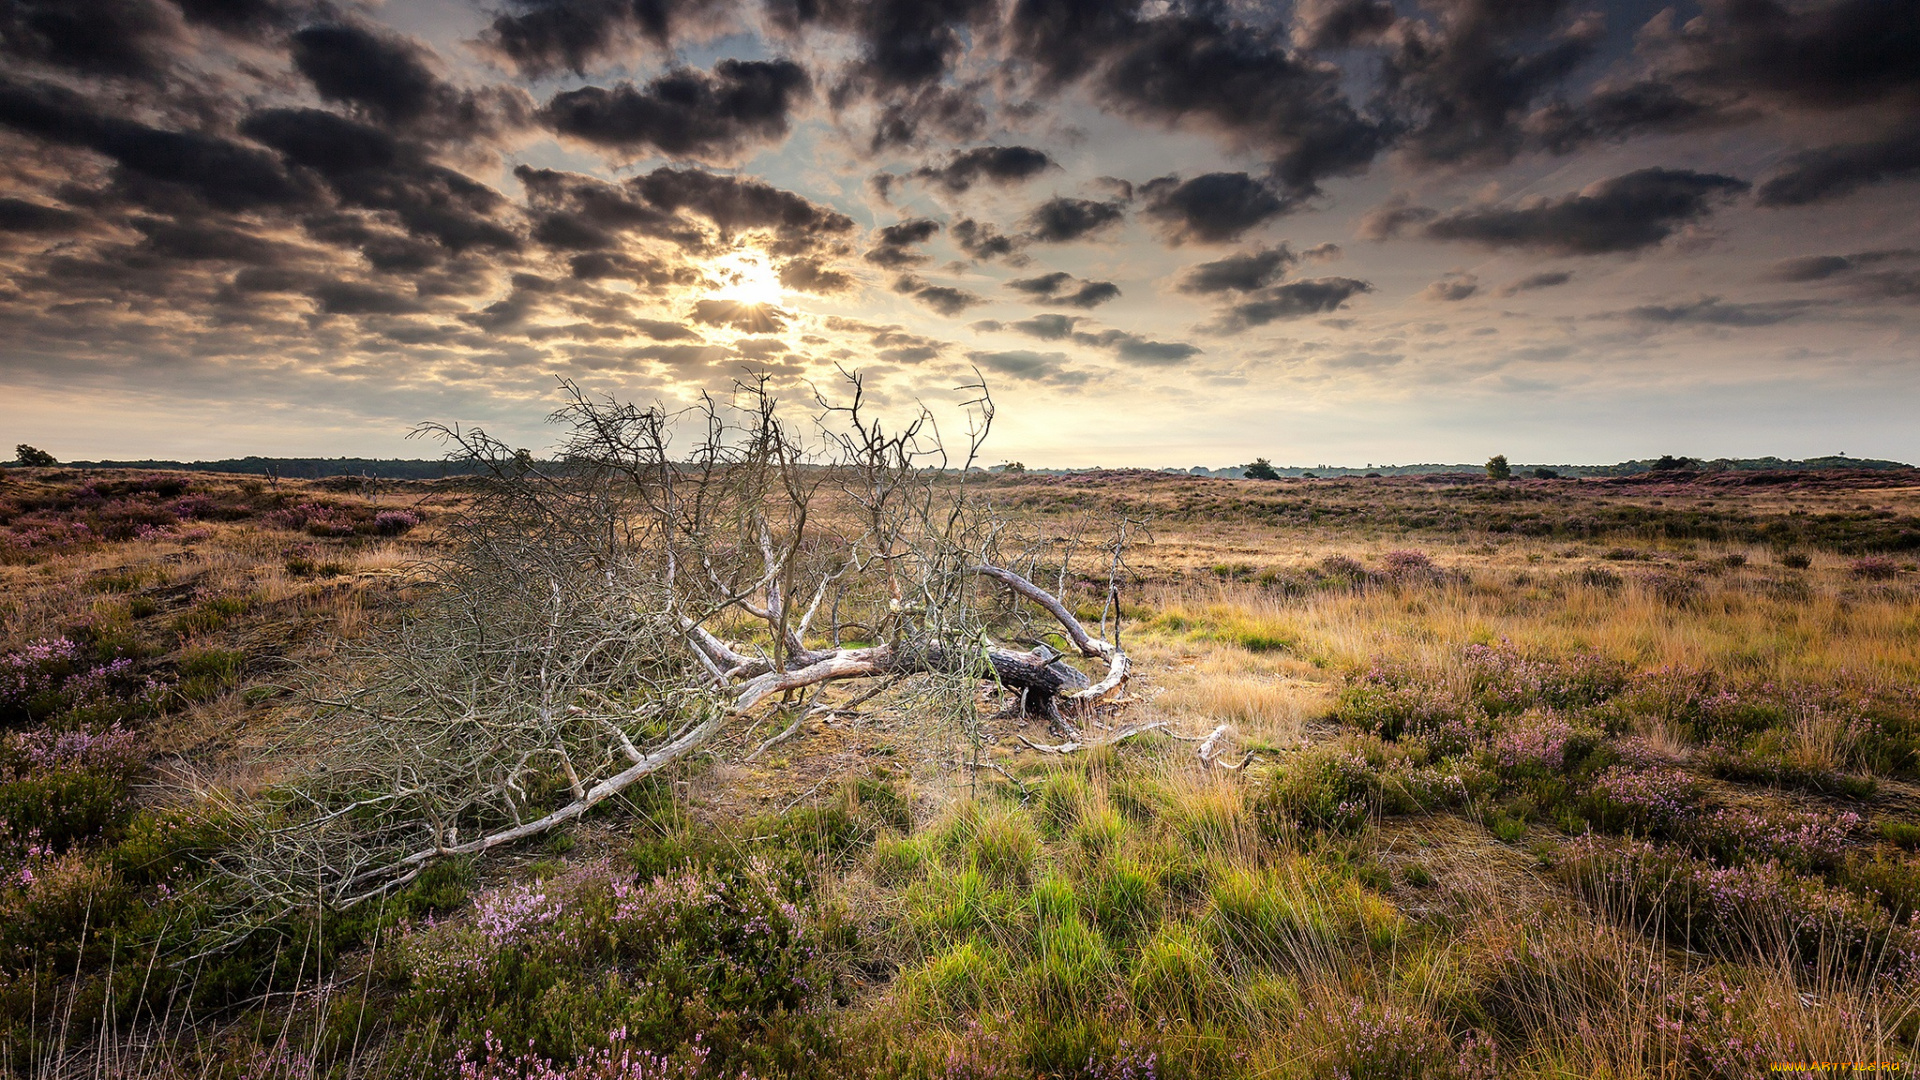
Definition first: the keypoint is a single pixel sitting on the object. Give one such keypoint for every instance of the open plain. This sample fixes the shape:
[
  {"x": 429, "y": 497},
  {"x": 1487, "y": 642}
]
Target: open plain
[{"x": 1413, "y": 777}]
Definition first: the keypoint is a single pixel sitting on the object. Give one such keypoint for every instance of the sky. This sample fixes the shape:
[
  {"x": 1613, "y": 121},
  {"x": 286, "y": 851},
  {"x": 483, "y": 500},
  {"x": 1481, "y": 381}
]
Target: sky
[{"x": 1340, "y": 232}]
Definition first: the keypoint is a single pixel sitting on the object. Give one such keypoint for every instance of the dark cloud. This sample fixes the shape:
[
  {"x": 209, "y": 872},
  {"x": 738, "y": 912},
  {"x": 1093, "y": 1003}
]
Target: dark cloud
[
  {"x": 812, "y": 275},
  {"x": 1854, "y": 273},
  {"x": 1030, "y": 366},
  {"x": 1460, "y": 89},
  {"x": 359, "y": 298},
  {"x": 1829, "y": 172},
  {"x": 241, "y": 18},
  {"x": 1455, "y": 286},
  {"x": 371, "y": 169},
  {"x": 1341, "y": 24},
  {"x": 126, "y": 38},
  {"x": 1616, "y": 113},
  {"x": 1211, "y": 209},
  {"x": 1135, "y": 349},
  {"x": 747, "y": 318},
  {"x": 1294, "y": 300},
  {"x": 1544, "y": 280},
  {"x": 1066, "y": 290},
  {"x": 1194, "y": 66},
  {"x": 944, "y": 299},
  {"x": 1244, "y": 272},
  {"x": 993, "y": 164},
  {"x": 903, "y": 44},
  {"x": 21, "y": 216},
  {"x": 1712, "y": 311},
  {"x": 981, "y": 240},
  {"x": 215, "y": 171},
  {"x": 911, "y": 117},
  {"x": 894, "y": 245},
  {"x": 1392, "y": 218},
  {"x": 736, "y": 204},
  {"x": 1060, "y": 219},
  {"x": 385, "y": 74},
  {"x": 540, "y": 37},
  {"x": 1045, "y": 327},
  {"x": 1821, "y": 54},
  {"x": 1625, "y": 213},
  {"x": 686, "y": 113}
]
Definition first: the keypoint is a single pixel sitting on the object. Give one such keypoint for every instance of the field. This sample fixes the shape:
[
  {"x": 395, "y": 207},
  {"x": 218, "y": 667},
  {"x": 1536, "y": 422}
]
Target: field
[{"x": 1534, "y": 778}]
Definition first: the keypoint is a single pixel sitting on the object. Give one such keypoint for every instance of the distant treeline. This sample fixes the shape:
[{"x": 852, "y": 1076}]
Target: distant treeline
[
  {"x": 1624, "y": 468},
  {"x": 303, "y": 468},
  {"x": 433, "y": 469}
]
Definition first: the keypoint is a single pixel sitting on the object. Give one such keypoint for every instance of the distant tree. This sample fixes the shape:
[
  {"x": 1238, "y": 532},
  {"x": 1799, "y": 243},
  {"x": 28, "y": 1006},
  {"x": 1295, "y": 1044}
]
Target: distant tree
[
  {"x": 30, "y": 455},
  {"x": 1498, "y": 469},
  {"x": 1261, "y": 469},
  {"x": 1010, "y": 467},
  {"x": 1669, "y": 463},
  {"x": 1545, "y": 474}
]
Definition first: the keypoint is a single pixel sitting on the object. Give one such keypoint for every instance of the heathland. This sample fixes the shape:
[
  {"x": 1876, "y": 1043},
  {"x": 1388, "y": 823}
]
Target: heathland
[{"x": 1546, "y": 777}]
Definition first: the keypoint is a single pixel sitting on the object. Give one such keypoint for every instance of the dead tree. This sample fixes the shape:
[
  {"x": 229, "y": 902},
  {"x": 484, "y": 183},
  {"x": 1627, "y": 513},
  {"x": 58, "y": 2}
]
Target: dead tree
[{"x": 603, "y": 614}]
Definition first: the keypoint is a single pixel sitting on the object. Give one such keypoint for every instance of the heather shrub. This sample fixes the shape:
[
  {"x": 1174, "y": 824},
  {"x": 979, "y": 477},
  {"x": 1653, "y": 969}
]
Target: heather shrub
[
  {"x": 1643, "y": 800},
  {"x": 1384, "y": 1040},
  {"x": 394, "y": 522},
  {"x": 723, "y": 961},
  {"x": 1395, "y": 702},
  {"x": 1874, "y": 568},
  {"x": 1503, "y": 680},
  {"x": 1803, "y": 841},
  {"x": 1759, "y": 911}
]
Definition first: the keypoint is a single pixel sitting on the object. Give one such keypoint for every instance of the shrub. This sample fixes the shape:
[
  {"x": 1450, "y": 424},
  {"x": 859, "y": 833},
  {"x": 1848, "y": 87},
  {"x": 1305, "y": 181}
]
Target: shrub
[
  {"x": 1645, "y": 801},
  {"x": 1758, "y": 911},
  {"x": 1795, "y": 560},
  {"x": 394, "y": 522},
  {"x": 1384, "y": 1041},
  {"x": 1874, "y": 568},
  {"x": 723, "y": 960},
  {"x": 1800, "y": 840}
]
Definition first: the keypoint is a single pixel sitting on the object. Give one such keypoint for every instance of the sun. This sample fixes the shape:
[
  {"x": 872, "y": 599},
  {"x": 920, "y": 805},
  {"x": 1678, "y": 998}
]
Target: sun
[{"x": 746, "y": 277}]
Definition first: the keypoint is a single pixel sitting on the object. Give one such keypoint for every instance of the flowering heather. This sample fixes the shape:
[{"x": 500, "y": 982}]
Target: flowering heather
[
  {"x": 616, "y": 1061},
  {"x": 394, "y": 522},
  {"x": 510, "y": 916},
  {"x": 1128, "y": 1064},
  {"x": 1407, "y": 565},
  {"x": 1535, "y": 742},
  {"x": 29, "y": 753},
  {"x": 1802, "y": 840},
  {"x": 1655, "y": 801},
  {"x": 1874, "y": 568},
  {"x": 1375, "y": 1041},
  {"x": 1503, "y": 680},
  {"x": 39, "y": 667},
  {"x": 1761, "y": 910}
]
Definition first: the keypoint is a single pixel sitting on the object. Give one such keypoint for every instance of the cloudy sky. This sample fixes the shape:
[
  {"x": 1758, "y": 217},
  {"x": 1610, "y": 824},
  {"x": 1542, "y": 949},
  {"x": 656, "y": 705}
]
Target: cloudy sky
[{"x": 1322, "y": 231}]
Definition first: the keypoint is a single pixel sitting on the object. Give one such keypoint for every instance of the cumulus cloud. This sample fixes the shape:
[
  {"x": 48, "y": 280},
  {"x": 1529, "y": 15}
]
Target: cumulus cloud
[
  {"x": 1061, "y": 220},
  {"x": 1211, "y": 209},
  {"x": 1625, "y": 213},
  {"x": 1243, "y": 272},
  {"x": 1829, "y": 172},
  {"x": 1064, "y": 289},
  {"x": 541, "y": 37},
  {"x": 1029, "y": 366},
  {"x": 686, "y": 113},
  {"x": 1003, "y": 165},
  {"x": 1546, "y": 279},
  {"x": 895, "y": 245},
  {"x": 1294, "y": 300},
  {"x": 944, "y": 299},
  {"x": 1457, "y": 285}
]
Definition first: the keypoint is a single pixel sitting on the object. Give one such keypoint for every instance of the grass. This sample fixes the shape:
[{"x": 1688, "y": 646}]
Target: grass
[{"x": 1543, "y": 780}]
